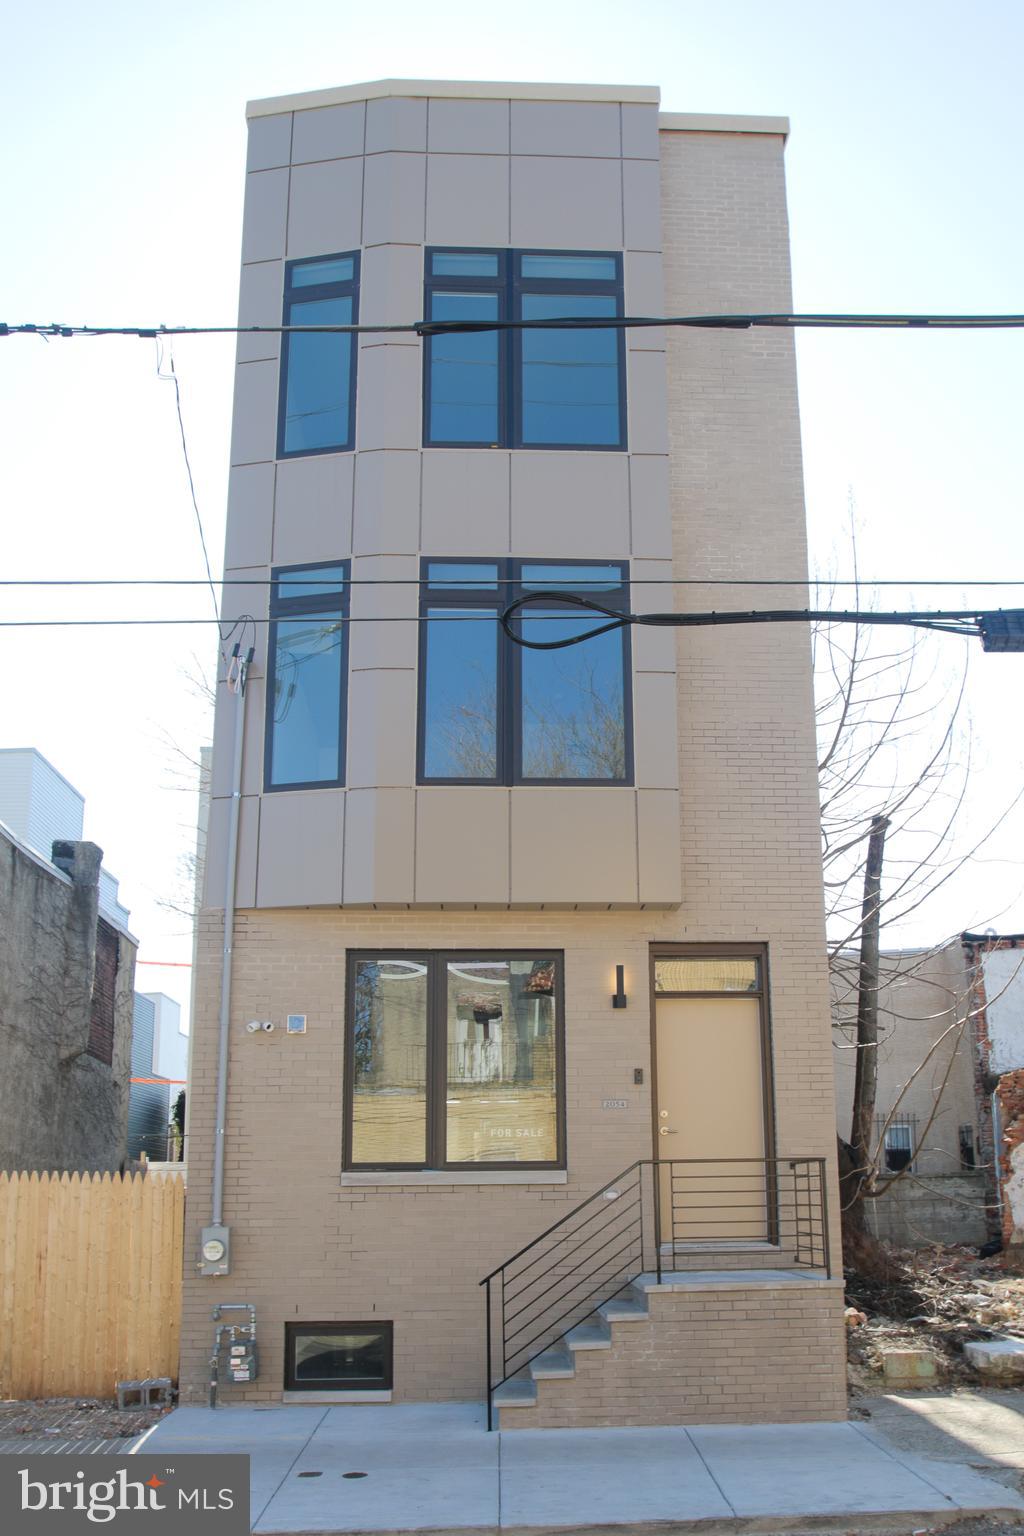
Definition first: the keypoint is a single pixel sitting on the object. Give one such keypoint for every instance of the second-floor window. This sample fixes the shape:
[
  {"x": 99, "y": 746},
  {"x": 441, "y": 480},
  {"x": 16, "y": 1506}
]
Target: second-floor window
[
  {"x": 525, "y": 388},
  {"x": 493, "y": 712},
  {"x": 317, "y": 406},
  {"x": 307, "y": 663}
]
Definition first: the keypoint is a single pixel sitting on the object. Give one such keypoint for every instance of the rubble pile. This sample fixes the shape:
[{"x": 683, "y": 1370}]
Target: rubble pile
[{"x": 933, "y": 1299}]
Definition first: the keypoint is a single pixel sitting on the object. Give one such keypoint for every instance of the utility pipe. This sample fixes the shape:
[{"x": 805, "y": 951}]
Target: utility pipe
[{"x": 234, "y": 814}]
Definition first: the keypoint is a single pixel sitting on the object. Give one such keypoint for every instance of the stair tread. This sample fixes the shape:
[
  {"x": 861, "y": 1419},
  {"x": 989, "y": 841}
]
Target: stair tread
[
  {"x": 589, "y": 1336},
  {"x": 624, "y": 1309},
  {"x": 517, "y": 1392},
  {"x": 553, "y": 1364}
]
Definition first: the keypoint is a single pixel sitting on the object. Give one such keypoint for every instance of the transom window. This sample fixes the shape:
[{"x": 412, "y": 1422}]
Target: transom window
[
  {"x": 454, "y": 1060},
  {"x": 316, "y": 412},
  {"x": 492, "y": 712},
  {"x": 307, "y": 663},
  {"x": 525, "y": 388}
]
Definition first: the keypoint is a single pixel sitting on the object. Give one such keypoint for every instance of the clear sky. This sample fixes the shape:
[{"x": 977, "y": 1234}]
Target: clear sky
[{"x": 124, "y": 139}]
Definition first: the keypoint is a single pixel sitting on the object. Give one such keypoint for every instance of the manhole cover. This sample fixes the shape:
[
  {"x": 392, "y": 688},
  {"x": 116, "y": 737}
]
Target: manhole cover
[
  {"x": 353, "y": 1474},
  {"x": 311, "y": 1474}
]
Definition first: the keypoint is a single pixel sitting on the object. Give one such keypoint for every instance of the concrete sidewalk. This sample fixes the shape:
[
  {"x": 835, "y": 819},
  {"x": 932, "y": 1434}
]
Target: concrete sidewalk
[{"x": 434, "y": 1467}]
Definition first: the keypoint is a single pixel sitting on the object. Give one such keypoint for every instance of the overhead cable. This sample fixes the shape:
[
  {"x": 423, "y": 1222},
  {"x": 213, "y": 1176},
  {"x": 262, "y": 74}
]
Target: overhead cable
[
  {"x": 999, "y": 630},
  {"x": 731, "y": 322}
]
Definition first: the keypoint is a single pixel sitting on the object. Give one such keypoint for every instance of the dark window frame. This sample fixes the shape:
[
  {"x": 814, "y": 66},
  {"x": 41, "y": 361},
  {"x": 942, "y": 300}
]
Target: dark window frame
[
  {"x": 294, "y": 1330},
  {"x": 437, "y": 962},
  {"x": 293, "y": 295},
  {"x": 295, "y": 607},
  {"x": 509, "y": 666},
  {"x": 510, "y": 286}
]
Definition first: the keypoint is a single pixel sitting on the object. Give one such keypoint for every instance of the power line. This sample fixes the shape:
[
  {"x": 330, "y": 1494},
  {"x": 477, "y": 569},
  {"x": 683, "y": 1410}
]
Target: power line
[
  {"x": 172, "y": 377},
  {"x": 998, "y": 630},
  {"x": 957, "y": 621},
  {"x": 334, "y": 584},
  {"x": 733, "y": 322}
]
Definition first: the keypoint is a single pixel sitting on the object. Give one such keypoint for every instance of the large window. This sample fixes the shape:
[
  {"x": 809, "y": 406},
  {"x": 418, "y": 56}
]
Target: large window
[
  {"x": 454, "y": 1060},
  {"x": 525, "y": 388},
  {"x": 318, "y": 370},
  {"x": 492, "y": 712},
  {"x": 306, "y": 670}
]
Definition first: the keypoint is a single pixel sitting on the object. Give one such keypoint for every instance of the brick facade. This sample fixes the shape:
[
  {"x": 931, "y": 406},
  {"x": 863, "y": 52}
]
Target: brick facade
[{"x": 737, "y": 841}]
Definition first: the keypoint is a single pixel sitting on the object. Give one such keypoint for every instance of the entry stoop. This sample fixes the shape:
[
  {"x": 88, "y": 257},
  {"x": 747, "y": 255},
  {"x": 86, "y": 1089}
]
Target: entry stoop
[{"x": 754, "y": 1346}]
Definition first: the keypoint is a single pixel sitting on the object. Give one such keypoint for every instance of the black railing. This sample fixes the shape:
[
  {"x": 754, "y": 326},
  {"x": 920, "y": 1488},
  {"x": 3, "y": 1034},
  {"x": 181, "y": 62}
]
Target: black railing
[{"x": 652, "y": 1214}]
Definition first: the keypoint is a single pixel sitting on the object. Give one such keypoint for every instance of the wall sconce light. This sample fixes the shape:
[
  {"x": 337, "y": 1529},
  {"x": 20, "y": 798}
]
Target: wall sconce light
[{"x": 619, "y": 995}]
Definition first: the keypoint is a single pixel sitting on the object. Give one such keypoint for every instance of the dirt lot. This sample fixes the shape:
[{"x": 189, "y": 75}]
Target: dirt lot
[
  {"x": 76, "y": 1418},
  {"x": 933, "y": 1298}
]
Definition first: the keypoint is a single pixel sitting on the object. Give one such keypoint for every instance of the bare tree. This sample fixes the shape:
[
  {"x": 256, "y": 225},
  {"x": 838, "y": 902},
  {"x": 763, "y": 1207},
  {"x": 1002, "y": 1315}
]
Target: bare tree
[{"x": 894, "y": 769}]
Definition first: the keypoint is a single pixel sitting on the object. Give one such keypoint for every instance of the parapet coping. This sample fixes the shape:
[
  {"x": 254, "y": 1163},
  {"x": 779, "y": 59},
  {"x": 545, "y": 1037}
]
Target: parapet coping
[
  {"x": 716, "y": 122},
  {"x": 460, "y": 90}
]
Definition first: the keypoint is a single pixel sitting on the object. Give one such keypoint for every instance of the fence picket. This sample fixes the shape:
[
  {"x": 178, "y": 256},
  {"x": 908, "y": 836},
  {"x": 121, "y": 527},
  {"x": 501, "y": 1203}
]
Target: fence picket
[{"x": 90, "y": 1281}]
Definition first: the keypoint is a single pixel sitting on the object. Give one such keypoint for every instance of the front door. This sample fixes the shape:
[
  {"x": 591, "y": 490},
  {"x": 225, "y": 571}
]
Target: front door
[{"x": 710, "y": 1114}]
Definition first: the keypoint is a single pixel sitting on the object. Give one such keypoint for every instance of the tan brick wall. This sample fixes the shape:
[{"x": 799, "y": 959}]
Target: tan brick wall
[
  {"x": 735, "y": 1357},
  {"x": 305, "y": 1246}
]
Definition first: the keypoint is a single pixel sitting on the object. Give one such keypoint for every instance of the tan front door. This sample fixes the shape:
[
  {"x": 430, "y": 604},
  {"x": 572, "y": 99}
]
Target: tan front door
[{"x": 710, "y": 1110}]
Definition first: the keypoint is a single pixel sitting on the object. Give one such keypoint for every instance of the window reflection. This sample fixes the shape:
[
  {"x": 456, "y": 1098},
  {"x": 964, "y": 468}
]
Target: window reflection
[
  {"x": 316, "y": 411},
  {"x": 460, "y": 701},
  {"x": 464, "y": 372},
  {"x": 574, "y": 724},
  {"x": 570, "y": 378},
  {"x": 502, "y": 1067},
  {"x": 305, "y": 694},
  {"x": 389, "y": 1073}
]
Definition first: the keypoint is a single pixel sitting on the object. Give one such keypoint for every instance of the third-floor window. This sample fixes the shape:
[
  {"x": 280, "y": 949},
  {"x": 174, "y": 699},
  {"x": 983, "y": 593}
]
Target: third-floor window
[{"x": 533, "y": 388}]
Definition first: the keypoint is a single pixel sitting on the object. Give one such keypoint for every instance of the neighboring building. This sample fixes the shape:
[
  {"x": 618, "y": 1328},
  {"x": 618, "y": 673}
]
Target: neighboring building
[
  {"x": 995, "y": 964},
  {"x": 518, "y": 918},
  {"x": 66, "y": 974},
  {"x": 927, "y": 1120},
  {"x": 41, "y": 807},
  {"x": 159, "y": 1067}
]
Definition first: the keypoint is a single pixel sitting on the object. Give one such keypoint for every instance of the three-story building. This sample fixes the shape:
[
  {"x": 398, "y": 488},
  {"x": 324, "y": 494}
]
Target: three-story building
[{"x": 539, "y": 931}]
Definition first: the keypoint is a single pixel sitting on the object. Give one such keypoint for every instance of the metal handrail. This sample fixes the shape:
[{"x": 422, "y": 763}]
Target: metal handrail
[{"x": 793, "y": 1196}]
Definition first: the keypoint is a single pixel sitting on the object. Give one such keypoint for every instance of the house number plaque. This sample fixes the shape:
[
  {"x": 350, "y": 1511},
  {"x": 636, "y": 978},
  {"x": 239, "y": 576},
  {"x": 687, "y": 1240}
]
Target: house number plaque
[{"x": 614, "y": 1103}]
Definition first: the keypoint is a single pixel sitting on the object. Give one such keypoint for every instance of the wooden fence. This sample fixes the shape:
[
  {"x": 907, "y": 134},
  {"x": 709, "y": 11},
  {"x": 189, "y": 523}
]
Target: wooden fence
[{"x": 90, "y": 1281}]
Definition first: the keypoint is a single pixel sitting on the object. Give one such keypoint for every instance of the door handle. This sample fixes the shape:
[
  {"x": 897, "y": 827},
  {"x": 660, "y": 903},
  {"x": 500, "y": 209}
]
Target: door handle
[{"x": 663, "y": 1130}]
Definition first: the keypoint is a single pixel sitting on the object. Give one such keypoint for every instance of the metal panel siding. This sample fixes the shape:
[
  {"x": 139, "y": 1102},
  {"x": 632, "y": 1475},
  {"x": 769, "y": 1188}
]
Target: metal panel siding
[
  {"x": 148, "y": 1114},
  {"x": 143, "y": 1027},
  {"x": 36, "y": 802}
]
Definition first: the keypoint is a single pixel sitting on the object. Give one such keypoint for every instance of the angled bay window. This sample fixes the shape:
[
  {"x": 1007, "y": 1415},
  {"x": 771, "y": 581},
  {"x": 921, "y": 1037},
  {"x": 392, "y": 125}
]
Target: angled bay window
[
  {"x": 454, "y": 1060},
  {"x": 316, "y": 410},
  {"x": 531, "y": 388},
  {"x": 492, "y": 712},
  {"x": 306, "y": 672}
]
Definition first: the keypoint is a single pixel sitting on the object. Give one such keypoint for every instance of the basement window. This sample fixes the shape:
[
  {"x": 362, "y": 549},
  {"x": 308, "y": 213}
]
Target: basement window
[{"x": 338, "y": 1357}]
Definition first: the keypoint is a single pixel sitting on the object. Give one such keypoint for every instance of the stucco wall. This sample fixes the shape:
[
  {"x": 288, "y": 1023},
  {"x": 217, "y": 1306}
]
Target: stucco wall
[
  {"x": 60, "y": 1108},
  {"x": 1003, "y": 970},
  {"x": 925, "y": 1066}
]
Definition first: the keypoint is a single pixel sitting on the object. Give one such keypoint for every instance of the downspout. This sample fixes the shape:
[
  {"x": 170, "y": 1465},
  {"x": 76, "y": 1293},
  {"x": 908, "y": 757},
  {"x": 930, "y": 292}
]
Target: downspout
[{"x": 217, "y": 1204}]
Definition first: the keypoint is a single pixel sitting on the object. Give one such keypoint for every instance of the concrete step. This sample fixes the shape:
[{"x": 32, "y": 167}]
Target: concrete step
[
  {"x": 590, "y": 1336},
  {"x": 517, "y": 1392},
  {"x": 554, "y": 1364},
  {"x": 630, "y": 1308}
]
